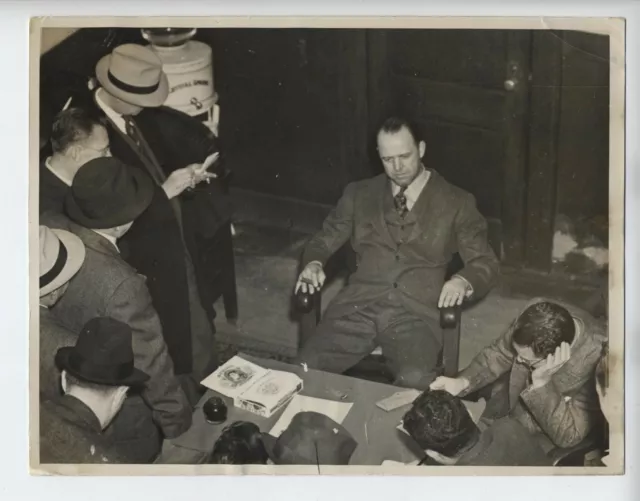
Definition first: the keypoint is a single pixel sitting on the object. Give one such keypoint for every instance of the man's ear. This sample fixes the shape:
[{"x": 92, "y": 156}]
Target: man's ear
[
  {"x": 422, "y": 147},
  {"x": 73, "y": 152}
]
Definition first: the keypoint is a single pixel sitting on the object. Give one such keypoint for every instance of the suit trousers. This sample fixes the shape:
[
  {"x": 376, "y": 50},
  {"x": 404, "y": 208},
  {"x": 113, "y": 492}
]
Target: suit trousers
[
  {"x": 202, "y": 340},
  {"x": 410, "y": 344}
]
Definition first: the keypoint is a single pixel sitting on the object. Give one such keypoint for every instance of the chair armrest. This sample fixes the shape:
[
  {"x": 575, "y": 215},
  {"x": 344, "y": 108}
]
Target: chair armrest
[
  {"x": 573, "y": 456},
  {"x": 304, "y": 302},
  {"x": 450, "y": 317}
]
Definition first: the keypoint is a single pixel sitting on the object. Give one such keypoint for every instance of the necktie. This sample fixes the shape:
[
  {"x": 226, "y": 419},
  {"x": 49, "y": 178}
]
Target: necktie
[
  {"x": 400, "y": 201},
  {"x": 134, "y": 133},
  {"x": 132, "y": 130}
]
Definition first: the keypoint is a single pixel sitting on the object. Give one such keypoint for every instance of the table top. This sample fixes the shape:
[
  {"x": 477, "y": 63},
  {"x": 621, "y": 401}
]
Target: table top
[{"x": 373, "y": 428}]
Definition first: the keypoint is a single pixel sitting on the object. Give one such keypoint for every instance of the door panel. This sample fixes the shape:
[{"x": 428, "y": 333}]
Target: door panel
[{"x": 467, "y": 92}]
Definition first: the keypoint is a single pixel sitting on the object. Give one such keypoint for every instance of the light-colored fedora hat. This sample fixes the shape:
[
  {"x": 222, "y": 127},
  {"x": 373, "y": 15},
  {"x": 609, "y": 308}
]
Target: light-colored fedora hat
[
  {"x": 61, "y": 256},
  {"x": 134, "y": 74}
]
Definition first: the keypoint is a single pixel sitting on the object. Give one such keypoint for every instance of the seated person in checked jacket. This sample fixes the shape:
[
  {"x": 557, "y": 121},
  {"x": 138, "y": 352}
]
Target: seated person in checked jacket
[
  {"x": 542, "y": 373},
  {"x": 405, "y": 226}
]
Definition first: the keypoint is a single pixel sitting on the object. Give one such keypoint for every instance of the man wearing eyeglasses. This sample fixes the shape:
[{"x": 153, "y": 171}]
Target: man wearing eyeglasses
[{"x": 541, "y": 372}]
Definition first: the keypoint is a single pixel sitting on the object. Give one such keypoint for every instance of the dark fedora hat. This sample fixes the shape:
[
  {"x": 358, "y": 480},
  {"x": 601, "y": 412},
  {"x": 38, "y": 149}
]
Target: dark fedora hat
[
  {"x": 311, "y": 438},
  {"x": 107, "y": 193},
  {"x": 103, "y": 354}
]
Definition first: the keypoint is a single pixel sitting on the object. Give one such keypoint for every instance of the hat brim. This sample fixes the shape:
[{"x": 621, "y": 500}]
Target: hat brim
[
  {"x": 75, "y": 257},
  {"x": 153, "y": 100},
  {"x": 136, "y": 378},
  {"x": 125, "y": 215},
  {"x": 269, "y": 443}
]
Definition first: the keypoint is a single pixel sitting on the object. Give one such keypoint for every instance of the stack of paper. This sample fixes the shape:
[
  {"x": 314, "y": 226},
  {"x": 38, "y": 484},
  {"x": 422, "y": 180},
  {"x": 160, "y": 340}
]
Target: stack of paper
[{"x": 254, "y": 388}]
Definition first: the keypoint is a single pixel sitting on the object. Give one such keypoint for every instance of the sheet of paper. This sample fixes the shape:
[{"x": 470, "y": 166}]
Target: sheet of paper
[
  {"x": 398, "y": 399},
  {"x": 335, "y": 410},
  {"x": 475, "y": 408}
]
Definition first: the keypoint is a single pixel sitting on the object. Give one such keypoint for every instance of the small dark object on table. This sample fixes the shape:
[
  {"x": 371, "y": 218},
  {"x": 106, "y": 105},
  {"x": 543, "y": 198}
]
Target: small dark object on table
[{"x": 215, "y": 410}]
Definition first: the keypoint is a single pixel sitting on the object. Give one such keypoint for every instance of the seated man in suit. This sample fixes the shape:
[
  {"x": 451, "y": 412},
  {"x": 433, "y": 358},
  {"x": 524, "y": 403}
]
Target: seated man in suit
[
  {"x": 61, "y": 257},
  {"x": 96, "y": 374},
  {"x": 541, "y": 371},
  {"x": 77, "y": 137},
  {"x": 443, "y": 428},
  {"x": 105, "y": 198},
  {"x": 405, "y": 226}
]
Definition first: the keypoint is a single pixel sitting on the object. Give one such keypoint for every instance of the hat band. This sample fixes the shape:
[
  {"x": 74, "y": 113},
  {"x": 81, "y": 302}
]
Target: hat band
[
  {"x": 92, "y": 371},
  {"x": 132, "y": 89},
  {"x": 57, "y": 267}
]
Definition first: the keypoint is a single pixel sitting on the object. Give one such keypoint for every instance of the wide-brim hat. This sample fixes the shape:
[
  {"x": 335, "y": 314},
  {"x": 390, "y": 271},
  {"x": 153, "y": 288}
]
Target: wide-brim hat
[
  {"x": 134, "y": 74},
  {"x": 107, "y": 193},
  {"x": 311, "y": 438},
  {"x": 61, "y": 256},
  {"x": 103, "y": 354}
]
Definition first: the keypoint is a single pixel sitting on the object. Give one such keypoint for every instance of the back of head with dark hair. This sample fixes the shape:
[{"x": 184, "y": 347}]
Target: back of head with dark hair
[
  {"x": 440, "y": 422},
  {"x": 394, "y": 124},
  {"x": 543, "y": 327},
  {"x": 72, "y": 125},
  {"x": 239, "y": 443}
]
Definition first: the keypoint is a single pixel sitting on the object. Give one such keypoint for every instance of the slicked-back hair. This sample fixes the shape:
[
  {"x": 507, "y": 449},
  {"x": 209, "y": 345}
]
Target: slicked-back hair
[
  {"x": 71, "y": 126},
  {"x": 543, "y": 327},
  {"x": 394, "y": 124},
  {"x": 239, "y": 443},
  {"x": 440, "y": 422}
]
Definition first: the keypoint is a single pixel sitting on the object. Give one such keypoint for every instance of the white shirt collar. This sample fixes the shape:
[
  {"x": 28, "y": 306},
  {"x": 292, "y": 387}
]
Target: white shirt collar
[
  {"x": 579, "y": 328},
  {"x": 112, "y": 114},
  {"x": 111, "y": 238},
  {"x": 47, "y": 164},
  {"x": 414, "y": 189}
]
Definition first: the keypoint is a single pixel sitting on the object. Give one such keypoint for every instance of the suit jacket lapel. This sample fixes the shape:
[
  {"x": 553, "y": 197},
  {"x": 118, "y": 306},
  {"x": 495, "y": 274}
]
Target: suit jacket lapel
[
  {"x": 95, "y": 242},
  {"x": 153, "y": 170},
  {"x": 376, "y": 207},
  {"x": 518, "y": 381},
  {"x": 423, "y": 207}
]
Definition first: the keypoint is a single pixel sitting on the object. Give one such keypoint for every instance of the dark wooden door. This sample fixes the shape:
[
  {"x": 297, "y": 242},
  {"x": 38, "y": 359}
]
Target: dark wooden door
[{"x": 467, "y": 91}]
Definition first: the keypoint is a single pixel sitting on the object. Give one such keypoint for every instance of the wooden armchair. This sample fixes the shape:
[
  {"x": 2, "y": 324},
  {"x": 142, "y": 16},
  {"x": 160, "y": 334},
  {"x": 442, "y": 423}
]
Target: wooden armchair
[{"x": 309, "y": 307}]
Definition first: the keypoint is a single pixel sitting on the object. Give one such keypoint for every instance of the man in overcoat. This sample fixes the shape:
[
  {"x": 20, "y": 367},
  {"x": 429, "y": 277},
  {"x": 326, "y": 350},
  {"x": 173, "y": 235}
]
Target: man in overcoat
[
  {"x": 404, "y": 226},
  {"x": 96, "y": 374},
  {"x": 104, "y": 200},
  {"x": 174, "y": 243},
  {"x": 61, "y": 257}
]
